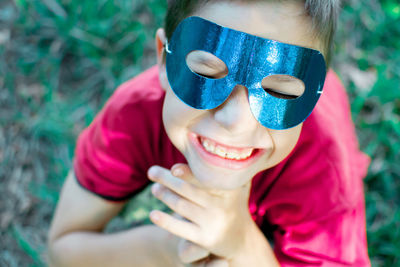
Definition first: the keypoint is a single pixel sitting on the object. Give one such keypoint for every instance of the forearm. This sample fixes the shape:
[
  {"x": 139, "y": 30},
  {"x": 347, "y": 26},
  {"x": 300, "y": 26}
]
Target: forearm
[
  {"x": 142, "y": 246},
  {"x": 256, "y": 251}
]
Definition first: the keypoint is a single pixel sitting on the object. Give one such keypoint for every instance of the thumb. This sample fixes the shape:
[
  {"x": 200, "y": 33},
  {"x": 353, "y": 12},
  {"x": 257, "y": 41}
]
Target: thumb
[
  {"x": 218, "y": 263},
  {"x": 189, "y": 252},
  {"x": 183, "y": 171}
]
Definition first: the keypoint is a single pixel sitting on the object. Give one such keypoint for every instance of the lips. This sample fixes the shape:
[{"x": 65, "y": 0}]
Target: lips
[{"x": 222, "y": 155}]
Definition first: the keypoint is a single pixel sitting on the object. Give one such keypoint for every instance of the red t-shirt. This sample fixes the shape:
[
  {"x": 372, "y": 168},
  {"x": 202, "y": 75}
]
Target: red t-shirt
[{"x": 312, "y": 202}]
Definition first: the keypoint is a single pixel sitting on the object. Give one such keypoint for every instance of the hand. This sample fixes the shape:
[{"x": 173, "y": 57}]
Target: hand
[
  {"x": 217, "y": 220},
  {"x": 189, "y": 252},
  {"x": 193, "y": 255}
]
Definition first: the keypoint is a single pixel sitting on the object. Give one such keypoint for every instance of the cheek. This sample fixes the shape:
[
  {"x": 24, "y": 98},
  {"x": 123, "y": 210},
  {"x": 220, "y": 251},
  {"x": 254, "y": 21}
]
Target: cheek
[
  {"x": 177, "y": 118},
  {"x": 172, "y": 106},
  {"x": 285, "y": 141}
]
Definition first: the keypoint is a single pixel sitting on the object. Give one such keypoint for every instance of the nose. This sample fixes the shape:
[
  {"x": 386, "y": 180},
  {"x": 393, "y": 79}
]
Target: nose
[{"x": 235, "y": 114}]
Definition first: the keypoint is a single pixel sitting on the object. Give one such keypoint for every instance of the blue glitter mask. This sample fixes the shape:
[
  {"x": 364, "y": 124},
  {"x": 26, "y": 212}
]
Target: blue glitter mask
[{"x": 249, "y": 60}]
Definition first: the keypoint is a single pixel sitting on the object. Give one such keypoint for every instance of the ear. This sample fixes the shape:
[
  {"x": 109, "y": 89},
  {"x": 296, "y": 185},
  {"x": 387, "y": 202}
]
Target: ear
[
  {"x": 160, "y": 49},
  {"x": 160, "y": 44}
]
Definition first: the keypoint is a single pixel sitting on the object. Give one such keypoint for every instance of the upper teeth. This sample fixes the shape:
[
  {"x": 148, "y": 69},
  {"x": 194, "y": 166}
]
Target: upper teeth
[{"x": 225, "y": 152}]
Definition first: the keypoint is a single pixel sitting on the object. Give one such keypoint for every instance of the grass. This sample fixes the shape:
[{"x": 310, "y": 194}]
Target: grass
[
  {"x": 61, "y": 59},
  {"x": 373, "y": 52}
]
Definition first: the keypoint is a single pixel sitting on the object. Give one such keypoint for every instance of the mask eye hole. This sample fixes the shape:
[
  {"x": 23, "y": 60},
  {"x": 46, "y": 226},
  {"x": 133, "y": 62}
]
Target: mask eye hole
[
  {"x": 283, "y": 86},
  {"x": 206, "y": 64}
]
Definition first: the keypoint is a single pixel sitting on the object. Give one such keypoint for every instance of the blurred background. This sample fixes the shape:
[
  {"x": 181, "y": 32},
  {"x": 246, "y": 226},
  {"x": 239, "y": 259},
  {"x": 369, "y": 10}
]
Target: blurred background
[{"x": 61, "y": 59}]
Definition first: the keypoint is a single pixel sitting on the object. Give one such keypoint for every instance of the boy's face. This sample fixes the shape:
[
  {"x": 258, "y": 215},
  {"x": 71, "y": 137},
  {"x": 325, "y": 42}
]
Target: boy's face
[{"x": 226, "y": 146}]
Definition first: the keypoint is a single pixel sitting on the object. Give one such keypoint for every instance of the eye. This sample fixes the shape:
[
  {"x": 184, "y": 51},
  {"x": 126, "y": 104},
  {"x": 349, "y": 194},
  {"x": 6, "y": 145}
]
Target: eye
[
  {"x": 206, "y": 64},
  {"x": 283, "y": 86}
]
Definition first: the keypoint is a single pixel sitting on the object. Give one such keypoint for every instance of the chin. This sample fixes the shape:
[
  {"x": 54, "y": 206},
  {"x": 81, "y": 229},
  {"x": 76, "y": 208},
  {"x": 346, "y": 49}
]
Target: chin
[{"x": 218, "y": 178}]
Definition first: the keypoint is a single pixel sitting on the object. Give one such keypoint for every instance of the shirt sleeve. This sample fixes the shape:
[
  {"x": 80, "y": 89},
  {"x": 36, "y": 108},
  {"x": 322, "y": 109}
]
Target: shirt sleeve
[{"x": 113, "y": 154}]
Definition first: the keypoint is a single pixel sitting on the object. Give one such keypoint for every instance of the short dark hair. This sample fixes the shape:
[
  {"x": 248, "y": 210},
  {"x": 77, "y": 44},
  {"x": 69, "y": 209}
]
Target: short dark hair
[{"x": 323, "y": 13}]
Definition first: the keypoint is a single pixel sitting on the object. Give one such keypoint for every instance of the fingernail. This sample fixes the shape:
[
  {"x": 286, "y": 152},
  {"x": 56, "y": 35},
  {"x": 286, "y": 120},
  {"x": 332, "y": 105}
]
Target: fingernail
[
  {"x": 177, "y": 171},
  {"x": 152, "y": 172}
]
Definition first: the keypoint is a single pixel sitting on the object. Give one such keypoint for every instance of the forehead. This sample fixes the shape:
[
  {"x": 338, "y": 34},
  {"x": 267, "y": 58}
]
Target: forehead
[{"x": 284, "y": 21}]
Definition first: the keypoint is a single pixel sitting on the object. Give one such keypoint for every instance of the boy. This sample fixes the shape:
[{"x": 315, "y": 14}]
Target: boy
[{"x": 229, "y": 99}]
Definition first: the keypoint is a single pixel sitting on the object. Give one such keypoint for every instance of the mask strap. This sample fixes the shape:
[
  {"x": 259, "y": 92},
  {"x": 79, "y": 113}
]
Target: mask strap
[{"x": 167, "y": 48}]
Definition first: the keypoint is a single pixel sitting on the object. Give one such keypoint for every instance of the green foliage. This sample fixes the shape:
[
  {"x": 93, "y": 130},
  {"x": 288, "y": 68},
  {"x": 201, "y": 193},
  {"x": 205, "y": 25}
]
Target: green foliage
[
  {"x": 61, "y": 59},
  {"x": 59, "y": 62},
  {"x": 374, "y": 48},
  {"x": 25, "y": 245},
  {"x": 138, "y": 209}
]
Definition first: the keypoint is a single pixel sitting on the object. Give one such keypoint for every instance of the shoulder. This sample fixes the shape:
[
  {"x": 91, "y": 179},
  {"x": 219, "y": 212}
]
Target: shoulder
[
  {"x": 329, "y": 143},
  {"x": 323, "y": 174},
  {"x": 143, "y": 91},
  {"x": 133, "y": 116},
  {"x": 313, "y": 201},
  {"x": 135, "y": 108},
  {"x": 332, "y": 129},
  {"x": 127, "y": 136}
]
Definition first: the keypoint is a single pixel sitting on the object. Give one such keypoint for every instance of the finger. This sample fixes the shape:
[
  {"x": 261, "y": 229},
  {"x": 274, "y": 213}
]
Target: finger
[
  {"x": 184, "y": 172},
  {"x": 179, "y": 186},
  {"x": 197, "y": 264},
  {"x": 217, "y": 263},
  {"x": 210, "y": 262},
  {"x": 190, "y": 252},
  {"x": 184, "y": 229},
  {"x": 178, "y": 204}
]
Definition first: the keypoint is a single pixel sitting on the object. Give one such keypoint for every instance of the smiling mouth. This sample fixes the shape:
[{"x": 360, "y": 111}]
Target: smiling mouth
[
  {"x": 223, "y": 151},
  {"x": 223, "y": 155}
]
